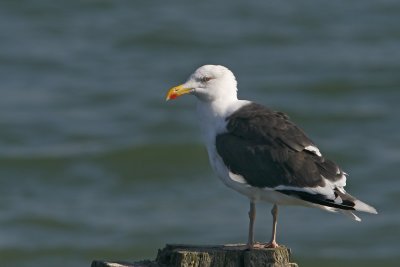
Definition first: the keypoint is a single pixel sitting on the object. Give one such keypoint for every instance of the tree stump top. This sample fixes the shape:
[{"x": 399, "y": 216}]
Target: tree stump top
[{"x": 236, "y": 255}]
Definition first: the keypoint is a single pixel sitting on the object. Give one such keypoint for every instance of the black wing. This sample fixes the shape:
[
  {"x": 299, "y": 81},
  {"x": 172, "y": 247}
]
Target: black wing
[{"x": 268, "y": 150}]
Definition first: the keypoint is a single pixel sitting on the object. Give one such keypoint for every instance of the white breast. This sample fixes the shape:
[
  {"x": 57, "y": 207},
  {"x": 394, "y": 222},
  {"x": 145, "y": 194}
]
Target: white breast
[{"x": 212, "y": 119}]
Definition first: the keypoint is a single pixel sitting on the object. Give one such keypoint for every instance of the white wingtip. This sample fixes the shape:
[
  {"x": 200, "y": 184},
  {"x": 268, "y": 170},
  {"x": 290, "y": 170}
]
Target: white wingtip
[
  {"x": 361, "y": 206},
  {"x": 351, "y": 215}
]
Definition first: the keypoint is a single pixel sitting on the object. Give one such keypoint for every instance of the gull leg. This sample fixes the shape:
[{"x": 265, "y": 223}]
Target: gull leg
[
  {"x": 272, "y": 243},
  {"x": 252, "y": 217}
]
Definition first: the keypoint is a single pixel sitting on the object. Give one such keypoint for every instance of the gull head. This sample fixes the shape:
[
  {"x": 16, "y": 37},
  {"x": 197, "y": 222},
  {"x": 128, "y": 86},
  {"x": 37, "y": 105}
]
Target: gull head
[{"x": 208, "y": 83}]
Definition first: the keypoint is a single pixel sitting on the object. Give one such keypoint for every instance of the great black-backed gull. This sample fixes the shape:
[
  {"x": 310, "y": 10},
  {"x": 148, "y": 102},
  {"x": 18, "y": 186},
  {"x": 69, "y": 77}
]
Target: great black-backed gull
[{"x": 261, "y": 153}]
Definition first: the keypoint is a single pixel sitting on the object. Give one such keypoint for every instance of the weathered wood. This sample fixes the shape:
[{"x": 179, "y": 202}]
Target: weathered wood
[
  {"x": 212, "y": 256},
  {"x": 146, "y": 263}
]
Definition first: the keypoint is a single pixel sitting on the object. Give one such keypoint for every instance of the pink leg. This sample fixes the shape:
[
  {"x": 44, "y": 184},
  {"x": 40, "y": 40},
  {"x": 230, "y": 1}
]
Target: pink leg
[
  {"x": 252, "y": 217},
  {"x": 272, "y": 243}
]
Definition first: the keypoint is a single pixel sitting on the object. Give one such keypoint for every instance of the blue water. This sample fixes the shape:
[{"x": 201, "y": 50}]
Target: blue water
[{"x": 95, "y": 165}]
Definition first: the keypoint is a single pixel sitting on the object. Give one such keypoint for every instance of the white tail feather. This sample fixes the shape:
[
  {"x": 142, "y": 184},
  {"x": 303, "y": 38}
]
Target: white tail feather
[
  {"x": 351, "y": 215},
  {"x": 361, "y": 206}
]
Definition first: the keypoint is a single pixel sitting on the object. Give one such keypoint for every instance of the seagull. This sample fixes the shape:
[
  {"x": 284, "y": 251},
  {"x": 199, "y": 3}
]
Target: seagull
[{"x": 261, "y": 153}]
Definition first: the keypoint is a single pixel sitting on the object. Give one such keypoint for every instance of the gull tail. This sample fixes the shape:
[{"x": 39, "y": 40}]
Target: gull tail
[
  {"x": 350, "y": 201},
  {"x": 343, "y": 202},
  {"x": 361, "y": 206},
  {"x": 358, "y": 205}
]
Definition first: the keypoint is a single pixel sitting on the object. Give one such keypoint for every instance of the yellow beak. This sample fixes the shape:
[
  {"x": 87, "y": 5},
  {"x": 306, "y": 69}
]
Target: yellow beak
[{"x": 177, "y": 91}]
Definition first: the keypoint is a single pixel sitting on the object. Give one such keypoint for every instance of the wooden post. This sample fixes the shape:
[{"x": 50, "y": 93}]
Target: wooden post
[{"x": 211, "y": 256}]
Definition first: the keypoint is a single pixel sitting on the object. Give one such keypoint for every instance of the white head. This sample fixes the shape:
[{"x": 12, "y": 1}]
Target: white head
[{"x": 208, "y": 83}]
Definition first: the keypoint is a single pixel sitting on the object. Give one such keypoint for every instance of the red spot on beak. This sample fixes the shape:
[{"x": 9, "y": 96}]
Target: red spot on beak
[{"x": 173, "y": 96}]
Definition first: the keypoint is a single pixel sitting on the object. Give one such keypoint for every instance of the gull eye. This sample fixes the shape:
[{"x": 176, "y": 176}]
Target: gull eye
[{"x": 205, "y": 79}]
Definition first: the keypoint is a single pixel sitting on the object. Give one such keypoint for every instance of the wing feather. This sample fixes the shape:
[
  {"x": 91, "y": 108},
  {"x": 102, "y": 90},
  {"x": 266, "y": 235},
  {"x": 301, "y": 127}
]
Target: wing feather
[{"x": 268, "y": 150}]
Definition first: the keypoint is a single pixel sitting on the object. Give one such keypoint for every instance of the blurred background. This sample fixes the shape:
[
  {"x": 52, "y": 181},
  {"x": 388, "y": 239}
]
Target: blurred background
[{"x": 95, "y": 165}]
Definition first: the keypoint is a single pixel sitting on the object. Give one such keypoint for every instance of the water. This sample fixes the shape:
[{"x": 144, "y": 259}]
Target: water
[{"x": 95, "y": 165}]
